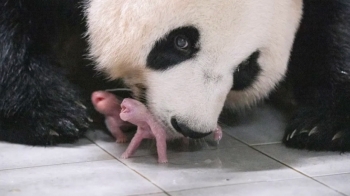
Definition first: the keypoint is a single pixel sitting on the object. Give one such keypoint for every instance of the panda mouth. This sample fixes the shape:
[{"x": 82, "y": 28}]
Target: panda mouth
[
  {"x": 124, "y": 109},
  {"x": 186, "y": 131}
]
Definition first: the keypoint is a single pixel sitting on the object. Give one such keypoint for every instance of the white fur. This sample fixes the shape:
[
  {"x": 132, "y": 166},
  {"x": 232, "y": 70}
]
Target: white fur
[{"x": 122, "y": 33}]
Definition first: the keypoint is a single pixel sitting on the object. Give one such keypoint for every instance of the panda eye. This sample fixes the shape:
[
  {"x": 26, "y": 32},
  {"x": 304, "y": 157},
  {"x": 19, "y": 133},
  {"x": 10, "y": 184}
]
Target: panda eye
[
  {"x": 176, "y": 46},
  {"x": 181, "y": 42}
]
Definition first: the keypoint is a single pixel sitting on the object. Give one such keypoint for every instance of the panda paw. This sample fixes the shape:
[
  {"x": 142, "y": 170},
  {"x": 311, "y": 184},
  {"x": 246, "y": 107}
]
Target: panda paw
[
  {"x": 318, "y": 130},
  {"x": 67, "y": 127},
  {"x": 55, "y": 116},
  {"x": 46, "y": 125}
]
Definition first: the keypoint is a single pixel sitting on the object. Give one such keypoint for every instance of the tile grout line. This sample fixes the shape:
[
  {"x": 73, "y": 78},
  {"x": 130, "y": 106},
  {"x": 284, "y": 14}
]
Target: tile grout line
[
  {"x": 227, "y": 185},
  {"x": 329, "y": 175},
  {"x": 115, "y": 158},
  {"x": 307, "y": 176},
  {"x": 241, "y": 183},
  {"x": 58, "y": 164},
  {"x": 267, "y": 143},
  {"x": 300, "y": 172},
  {"x": 150, "y": 194}
]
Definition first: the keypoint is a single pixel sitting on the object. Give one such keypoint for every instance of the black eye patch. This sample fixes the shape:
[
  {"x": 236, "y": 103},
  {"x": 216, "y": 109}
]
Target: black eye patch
[
  {"x": 246, "y": 72},
  {"x": 177, "y": 46}
]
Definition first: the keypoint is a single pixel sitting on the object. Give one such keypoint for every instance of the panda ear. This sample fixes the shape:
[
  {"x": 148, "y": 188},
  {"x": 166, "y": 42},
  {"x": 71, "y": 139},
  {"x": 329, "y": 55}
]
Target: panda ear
[
  {"x": 246, "y": 72},
  {"x": 179, "y": 45}
]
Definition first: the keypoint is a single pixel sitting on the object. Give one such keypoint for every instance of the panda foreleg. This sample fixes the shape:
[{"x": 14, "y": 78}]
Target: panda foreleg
[
  {"x": 320, "y": 71},
  {"x": 38, "y": 105}
]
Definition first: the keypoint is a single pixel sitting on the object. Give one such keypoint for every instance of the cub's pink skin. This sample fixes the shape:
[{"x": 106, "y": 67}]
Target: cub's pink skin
[
  {"x": 136, "y": 113},
  {"x": 218, "y": 134},
  {"x": 108, "y": 105}
]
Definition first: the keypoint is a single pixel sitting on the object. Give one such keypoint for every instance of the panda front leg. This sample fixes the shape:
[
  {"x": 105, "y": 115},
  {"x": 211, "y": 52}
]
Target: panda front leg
[
  {"x": 320, "y": 71},
  {"x": 38, "y": 105}
]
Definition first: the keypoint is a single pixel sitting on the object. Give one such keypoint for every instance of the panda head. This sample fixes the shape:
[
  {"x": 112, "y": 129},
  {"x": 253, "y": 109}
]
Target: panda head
[{"x": 187, "y": 58}]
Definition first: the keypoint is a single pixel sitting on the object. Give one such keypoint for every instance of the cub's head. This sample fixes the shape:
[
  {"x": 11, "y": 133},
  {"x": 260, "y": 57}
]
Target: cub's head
[{"x": 187, "y": 58}]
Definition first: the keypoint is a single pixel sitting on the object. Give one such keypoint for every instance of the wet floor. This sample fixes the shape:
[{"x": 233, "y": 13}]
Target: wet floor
[{"x": 249, "y": 160}]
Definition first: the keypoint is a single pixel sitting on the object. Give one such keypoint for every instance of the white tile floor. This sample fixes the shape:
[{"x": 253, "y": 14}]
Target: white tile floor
[{"x": 250, "y": 160}]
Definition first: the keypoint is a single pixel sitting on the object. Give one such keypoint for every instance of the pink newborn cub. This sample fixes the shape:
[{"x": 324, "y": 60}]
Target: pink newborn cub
[
  {"x": 108, "y": 105},
  {"x": 117, "y": 113},
  {"x": 147, "y": 127}
]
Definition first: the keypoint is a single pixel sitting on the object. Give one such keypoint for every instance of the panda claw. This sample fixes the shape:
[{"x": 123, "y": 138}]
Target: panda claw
[
  {"x": 338, "y": 135},
  {"x": 53, "y": 133},
  {"x": 293, "y": 133},
  {"x": 304, "y": 131},
  {"x": 287, "y": 138},
  {"x": 313, "y": 131},
  {"x": 81, "y": 105},
  {"x": 318, "y": 131}
]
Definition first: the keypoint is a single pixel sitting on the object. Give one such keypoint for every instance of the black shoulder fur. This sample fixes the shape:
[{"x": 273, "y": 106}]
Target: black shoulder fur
[{"x": 41, "y": 70}]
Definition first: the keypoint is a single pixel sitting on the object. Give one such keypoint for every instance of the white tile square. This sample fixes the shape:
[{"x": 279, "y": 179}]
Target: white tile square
[
  {"x": 189, "y": 170},
  {"x": 261, "y": 125},
  {"x": 299, "y": 187},
  {"x": 80, "y": 179},
  {"x": 20, "y": 156},
  {"x": 339, "y": 182},
  {"x": 309, "y": 162}
]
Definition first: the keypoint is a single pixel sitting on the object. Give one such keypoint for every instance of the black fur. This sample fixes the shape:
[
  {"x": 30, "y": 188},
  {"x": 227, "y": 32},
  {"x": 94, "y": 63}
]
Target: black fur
[
  {"x": 320, "y": 74},
  {"x": 165, "y": 54},
  {"x": 246, "y": 73},
  {"x": 41, "y": 49}
]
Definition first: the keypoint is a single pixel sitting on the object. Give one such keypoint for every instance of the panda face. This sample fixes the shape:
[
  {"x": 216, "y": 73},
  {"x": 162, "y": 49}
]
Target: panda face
[
  {"x": 189, "y": 91},
  {"x": 188, "y": 58}
]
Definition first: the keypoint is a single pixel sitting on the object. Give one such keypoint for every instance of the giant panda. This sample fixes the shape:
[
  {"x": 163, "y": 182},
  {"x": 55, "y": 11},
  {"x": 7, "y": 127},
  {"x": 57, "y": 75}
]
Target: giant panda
[{"x": 188, "y": 59}]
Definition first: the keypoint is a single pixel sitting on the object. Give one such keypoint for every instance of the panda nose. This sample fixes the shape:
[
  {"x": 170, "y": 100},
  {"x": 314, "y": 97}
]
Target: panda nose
[{"x": 185, "y": 130}]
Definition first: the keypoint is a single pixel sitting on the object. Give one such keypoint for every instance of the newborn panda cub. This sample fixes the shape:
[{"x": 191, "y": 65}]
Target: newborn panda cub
[
  {"x": 118, "y": 114},
  {"x": 108, "y": 105}
]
